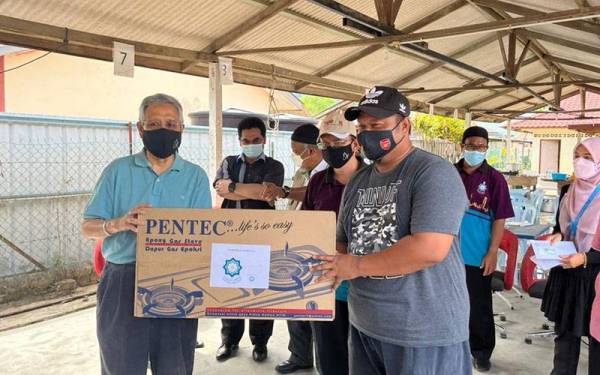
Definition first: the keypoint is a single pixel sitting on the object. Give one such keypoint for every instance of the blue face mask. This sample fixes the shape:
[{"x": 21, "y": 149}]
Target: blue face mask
[
  {"x": 252, "y": 151},
  {"x": 474, "y": 158}
]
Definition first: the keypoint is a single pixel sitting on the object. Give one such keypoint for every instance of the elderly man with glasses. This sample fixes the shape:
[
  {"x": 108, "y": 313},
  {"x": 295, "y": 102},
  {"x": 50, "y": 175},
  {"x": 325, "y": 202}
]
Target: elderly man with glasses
[{"x": 155, "y": 177}]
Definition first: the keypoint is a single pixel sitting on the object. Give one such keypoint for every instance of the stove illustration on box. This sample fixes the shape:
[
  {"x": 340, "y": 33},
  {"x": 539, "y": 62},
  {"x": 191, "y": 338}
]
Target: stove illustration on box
[{"x": 188, "y": 294}]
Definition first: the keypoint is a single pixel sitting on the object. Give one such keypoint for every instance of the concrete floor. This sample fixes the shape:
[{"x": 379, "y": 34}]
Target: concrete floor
[{"x": 67, "y": 345}]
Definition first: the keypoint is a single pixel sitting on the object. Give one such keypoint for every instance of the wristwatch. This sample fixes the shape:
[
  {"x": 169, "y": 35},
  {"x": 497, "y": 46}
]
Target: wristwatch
[
  {"x": 286, "y": 191},
  {"x": 231, "y": 187}
]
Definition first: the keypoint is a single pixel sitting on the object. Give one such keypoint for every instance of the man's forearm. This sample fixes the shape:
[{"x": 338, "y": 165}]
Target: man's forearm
[
  {"x": 92, "y": 229},
  {"x": 497, "y": 234},
  {"x": 409, "y": 255},
  {"x": 297, "y": 194},
  {"x": 250, "y": 191},
  {"x": 232, "y": 196}
]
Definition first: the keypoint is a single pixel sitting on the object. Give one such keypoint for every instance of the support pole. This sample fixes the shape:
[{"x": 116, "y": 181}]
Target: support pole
[
  {"x": 215, "y": 118},
  {"x": 468, "y": 119},
  {"x": 582, "y": 103},
  {"x": 509, "y": 142}
]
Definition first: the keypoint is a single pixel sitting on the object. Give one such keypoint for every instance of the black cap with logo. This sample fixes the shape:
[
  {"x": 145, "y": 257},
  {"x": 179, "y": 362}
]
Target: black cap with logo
[{"x": 380, "y": 102}]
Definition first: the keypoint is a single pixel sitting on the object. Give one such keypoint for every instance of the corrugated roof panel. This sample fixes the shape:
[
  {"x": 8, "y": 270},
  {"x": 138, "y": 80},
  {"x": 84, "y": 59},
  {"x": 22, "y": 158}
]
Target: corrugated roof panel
[
  {"x": 488, "y": 58},
  {"x": 382, "y": 66},
  {"x": 314, "y": 11},
  {"x": 466, "y": 15},
  {"x": 572, "y": 54},
  {"x": 451, "y": 46},
  {"x": 584, "y": 73},
  {"x": 412, "y": 10},
  {"x": 567, "y": 33},
  {"x": 185, "y": 24},
  {"x": 303, "y": 61},
  {"x": 547, "y": 6}
]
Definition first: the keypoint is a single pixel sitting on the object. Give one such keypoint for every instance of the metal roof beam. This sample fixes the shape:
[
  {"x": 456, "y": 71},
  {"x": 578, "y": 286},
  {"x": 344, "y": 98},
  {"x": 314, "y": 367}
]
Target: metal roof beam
[
  {"x": 393, "y": 33},
  {"x": 524, "y": 11},
  {"x": 412, "y": 39},
  {"x": 495, "y": 87},
  {"x": 340, "y": 64}
]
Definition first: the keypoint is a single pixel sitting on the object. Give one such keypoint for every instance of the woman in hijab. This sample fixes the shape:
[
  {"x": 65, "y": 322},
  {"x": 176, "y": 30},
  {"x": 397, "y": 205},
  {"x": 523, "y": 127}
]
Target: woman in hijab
[{"x": 570, "y": 290}]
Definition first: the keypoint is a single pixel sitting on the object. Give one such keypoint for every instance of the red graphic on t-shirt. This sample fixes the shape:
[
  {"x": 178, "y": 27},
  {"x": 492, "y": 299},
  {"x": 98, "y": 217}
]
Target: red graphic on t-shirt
[
  {"x": 385, "y": 144},
  {"x": 483, "y": 206}
]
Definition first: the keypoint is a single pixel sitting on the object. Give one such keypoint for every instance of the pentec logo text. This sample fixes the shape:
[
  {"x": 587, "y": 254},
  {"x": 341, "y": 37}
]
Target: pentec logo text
[{"x": 192, "y": 227}]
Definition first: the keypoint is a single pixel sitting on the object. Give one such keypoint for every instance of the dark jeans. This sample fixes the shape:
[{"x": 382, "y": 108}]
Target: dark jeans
[
  {"x": 232, "y": 331},
  {"x": 126, "y": 342},
  {"x": 482, "y": 332},
  {"x": 300, "y": 345},
  {"x": 331, "y": 342},
  {"x": 373, "y": 357},
  {"x": 566, "y": 355}
]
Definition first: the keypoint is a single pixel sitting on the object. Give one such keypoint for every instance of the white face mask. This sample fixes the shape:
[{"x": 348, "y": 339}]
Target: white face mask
[{"x": 298, "y": 159}]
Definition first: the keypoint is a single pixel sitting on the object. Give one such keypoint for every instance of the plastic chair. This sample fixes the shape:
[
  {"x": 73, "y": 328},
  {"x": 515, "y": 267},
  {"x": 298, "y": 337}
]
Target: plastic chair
[
  {"x": 504, "y": 280},
  {"x": 535, "y": 288},
  {"x": 536, "y": 201}
]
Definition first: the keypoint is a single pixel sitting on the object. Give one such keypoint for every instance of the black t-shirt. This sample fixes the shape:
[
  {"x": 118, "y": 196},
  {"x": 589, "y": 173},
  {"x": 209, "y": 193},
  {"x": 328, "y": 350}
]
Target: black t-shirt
[{"x": 236, "y": 169}]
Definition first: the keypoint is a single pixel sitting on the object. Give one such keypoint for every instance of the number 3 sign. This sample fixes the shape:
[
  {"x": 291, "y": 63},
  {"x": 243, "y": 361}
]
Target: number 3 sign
[
  {"x": 226, "y": 69},
  {"x": 123, "y": 59}
]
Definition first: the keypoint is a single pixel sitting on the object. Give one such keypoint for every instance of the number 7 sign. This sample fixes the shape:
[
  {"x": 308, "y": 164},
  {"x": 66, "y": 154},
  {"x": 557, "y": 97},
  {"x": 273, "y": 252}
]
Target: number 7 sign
[{"x": 123, "y": 59}]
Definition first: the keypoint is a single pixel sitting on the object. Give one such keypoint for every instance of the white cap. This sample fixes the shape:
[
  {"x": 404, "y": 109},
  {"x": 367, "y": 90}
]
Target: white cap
[{"x": 336, "y": 125}]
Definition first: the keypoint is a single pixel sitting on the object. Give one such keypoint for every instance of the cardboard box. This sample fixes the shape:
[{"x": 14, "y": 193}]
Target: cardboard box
[{"x": 249, "y": 250}]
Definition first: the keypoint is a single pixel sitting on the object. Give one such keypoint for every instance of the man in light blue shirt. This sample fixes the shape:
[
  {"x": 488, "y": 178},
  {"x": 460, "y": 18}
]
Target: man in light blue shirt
[{"x": 155, "y": 177}]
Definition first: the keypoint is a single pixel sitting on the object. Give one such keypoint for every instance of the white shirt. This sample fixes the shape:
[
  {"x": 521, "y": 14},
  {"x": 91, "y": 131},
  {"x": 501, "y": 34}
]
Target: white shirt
[{"x": 301, "y": 178}]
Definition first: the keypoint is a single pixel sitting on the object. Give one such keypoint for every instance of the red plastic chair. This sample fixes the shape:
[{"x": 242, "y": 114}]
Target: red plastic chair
[
  {"x": 99, "y": 261},
  {"x": 506, "y": 280},
  {"x": 530, "y": 284},
  {"x": 535, "y": 287}
]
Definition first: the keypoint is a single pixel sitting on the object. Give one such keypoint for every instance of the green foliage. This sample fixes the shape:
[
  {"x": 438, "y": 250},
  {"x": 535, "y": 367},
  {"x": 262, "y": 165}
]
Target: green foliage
[
  {"x": 316, "y": 104},
  {"x": 495, "y": 161},
  {"x": 439, "y": 127}
]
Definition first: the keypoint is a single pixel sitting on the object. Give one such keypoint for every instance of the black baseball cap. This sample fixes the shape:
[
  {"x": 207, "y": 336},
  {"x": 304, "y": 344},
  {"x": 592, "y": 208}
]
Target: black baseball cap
[{"x": 380, "y": 102}]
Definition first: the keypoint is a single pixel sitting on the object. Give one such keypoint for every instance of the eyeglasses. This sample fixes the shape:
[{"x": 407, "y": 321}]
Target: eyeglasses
[
  {"x": 155, "y": 124},
  {"x": 337, "y": 144},
  {"x": 475, "y": 147}
]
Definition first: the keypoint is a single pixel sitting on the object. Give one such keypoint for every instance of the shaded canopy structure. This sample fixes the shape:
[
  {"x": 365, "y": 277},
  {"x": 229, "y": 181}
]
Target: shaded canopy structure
[{"x": 492, "y": 59}]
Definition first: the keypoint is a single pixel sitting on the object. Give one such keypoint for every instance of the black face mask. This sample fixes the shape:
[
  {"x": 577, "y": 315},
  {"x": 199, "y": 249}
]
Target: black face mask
[
  {"x": 337, "y": 157},
  {"x": 378, "y": 143},
  {"x": 162, "y": 143}
]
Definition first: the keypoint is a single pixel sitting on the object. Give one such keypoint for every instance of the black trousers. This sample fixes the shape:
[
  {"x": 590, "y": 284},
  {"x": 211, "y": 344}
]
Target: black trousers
[
  {"x": 566, "y": 355},
  {"x": 331, "y": 342},
  {"x": 232, "y": 331},
  {"x": 482, "y": 332},
  {"x": 300, "y": 345}
]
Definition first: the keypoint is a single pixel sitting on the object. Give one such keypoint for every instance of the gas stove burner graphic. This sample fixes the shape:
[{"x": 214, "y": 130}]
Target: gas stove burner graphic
[
  {"x": 290, "y": 268},
  {"x": 168, "y": 300}
]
